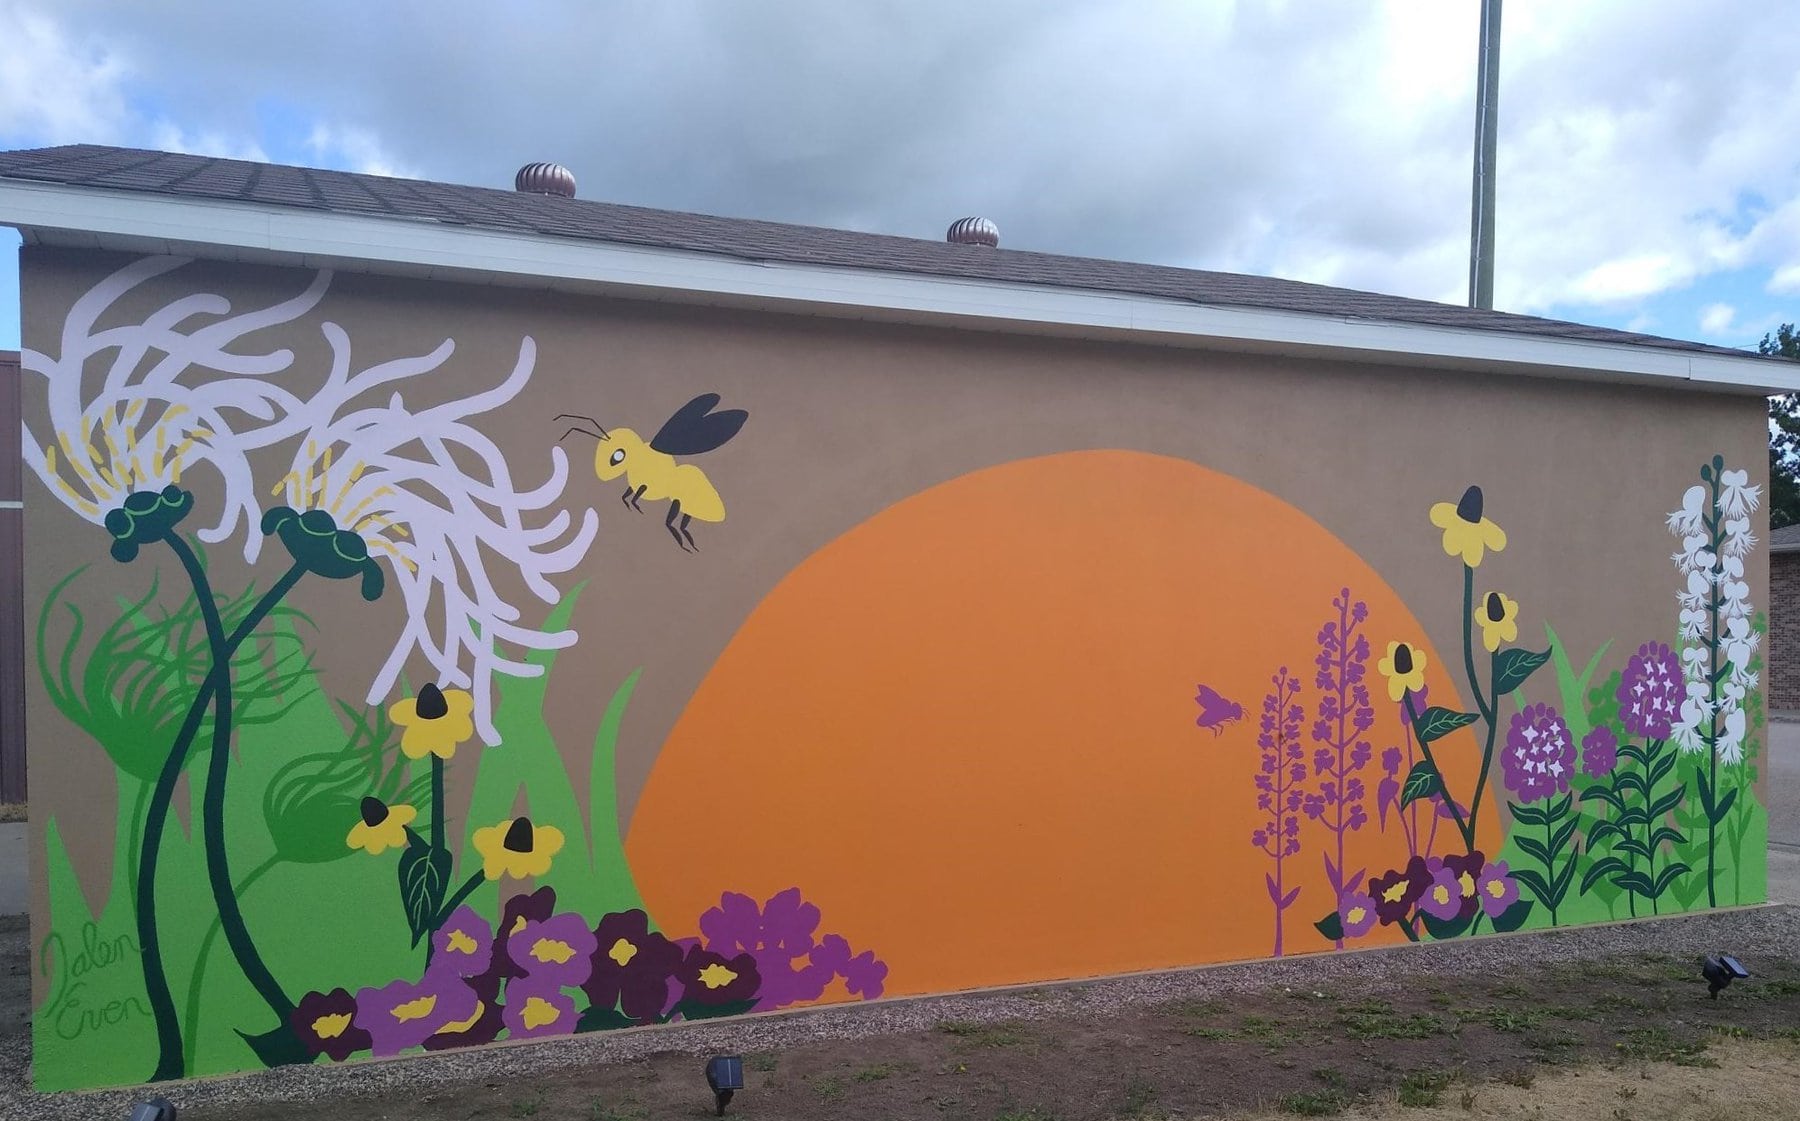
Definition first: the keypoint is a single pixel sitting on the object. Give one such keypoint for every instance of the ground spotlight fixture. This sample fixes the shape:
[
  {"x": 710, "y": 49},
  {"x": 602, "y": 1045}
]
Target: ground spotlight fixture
[
  {"x": 1721, "y": 970},
  {"x": 725, "y": 1074},
  {"x": 156, "y": 1109}
]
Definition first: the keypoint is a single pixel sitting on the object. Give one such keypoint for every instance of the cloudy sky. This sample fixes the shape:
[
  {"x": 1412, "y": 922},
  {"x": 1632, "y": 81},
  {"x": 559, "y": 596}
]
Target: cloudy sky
[{"x": 1649, "y": 176}]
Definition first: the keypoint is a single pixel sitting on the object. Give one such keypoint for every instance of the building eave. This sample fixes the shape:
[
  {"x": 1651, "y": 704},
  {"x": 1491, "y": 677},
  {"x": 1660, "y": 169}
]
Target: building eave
[{"x": 56, "y": 214}]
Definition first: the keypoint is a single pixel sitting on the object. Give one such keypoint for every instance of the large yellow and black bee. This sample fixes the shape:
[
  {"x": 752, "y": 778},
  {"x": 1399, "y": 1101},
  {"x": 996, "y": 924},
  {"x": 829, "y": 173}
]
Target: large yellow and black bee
[{"x": 650, "y": 469}]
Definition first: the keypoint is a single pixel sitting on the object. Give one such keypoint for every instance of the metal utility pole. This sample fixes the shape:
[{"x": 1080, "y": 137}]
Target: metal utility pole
[{"x": 1487, "y": 124}]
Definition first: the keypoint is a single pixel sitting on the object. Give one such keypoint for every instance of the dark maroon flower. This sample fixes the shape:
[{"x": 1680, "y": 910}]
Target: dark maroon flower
[
  {"x": 1650, "y": 692},
  {"x": 711, "y": 978},
  {"x": 519, "y": 910},
  {"x": 325, "y": 1024},
  {"x": 1397, "y": 891},
  {"x": 482, "y": 1027},
  {"x": 632, "y": 967},
  {"x": 1467, "y": 872}
]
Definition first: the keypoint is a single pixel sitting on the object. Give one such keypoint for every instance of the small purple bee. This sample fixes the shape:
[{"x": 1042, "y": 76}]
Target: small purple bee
[{"x": 1215, "y": 710}]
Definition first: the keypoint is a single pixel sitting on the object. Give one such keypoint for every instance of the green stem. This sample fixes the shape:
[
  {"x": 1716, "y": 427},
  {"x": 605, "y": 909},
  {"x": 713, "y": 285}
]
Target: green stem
[
  {"x": 191, "y": 1021},
  {"x": 1487, "y": 752},
  {"x": 456, "y": 900},
  {"x": 1549, "y": 868},
  {"x": 1412, "y": 716},
  {"x": 1650, "y": 853},
  {"x": 156, "y": 817},
  {"x": 1717, "y": 536},
  {"x": 437, "y": 802},
  {"x": 218, "y": 861},
  {"x": 1481, "y": 705}
]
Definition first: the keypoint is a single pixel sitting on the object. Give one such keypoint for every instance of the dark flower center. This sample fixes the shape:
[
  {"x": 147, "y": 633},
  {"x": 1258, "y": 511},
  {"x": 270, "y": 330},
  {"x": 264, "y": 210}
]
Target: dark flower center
[
  {"x": 432, "y": 705},
  {"x": 1469, "y": 509},
  {"x": 1403, "y": 658},
  {"x": 518, "y": 835},
  {"x": 1496, "y": 611},
  {"x": 374, "y": 811}
]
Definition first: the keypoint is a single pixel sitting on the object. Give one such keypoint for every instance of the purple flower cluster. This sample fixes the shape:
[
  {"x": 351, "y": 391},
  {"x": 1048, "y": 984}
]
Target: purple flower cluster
[
  {"x": 1650, "y": 692},
  {"x": 1283, "y": 769},
  {"x": 1344, "y": 716},
  {"x": 1599, "y": 752},
  {"x": 1446, "y": 888},
  {"x": 1539, "y": 758},
  {"x": 521, "y": 977}
]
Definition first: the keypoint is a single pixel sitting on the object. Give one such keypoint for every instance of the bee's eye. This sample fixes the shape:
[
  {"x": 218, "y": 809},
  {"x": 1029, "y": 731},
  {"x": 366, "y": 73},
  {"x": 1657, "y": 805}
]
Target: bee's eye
[{"x": 618, "y": 457}]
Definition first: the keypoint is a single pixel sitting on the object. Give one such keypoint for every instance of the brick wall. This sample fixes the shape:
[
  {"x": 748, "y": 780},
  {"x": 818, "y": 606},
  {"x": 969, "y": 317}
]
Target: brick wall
[{"x": 1784, "y": 630}]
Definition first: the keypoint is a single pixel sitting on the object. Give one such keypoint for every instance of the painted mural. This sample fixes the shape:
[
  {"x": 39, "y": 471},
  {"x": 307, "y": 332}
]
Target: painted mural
[{"x": 1073, "y": 713}]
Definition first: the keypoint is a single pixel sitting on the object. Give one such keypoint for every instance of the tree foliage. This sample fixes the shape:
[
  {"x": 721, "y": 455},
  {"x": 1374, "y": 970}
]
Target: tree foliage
[{"x": 1784, "y": 435}]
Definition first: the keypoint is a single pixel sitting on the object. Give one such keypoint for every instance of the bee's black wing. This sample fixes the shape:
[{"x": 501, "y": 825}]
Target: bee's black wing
[{"x": 695, "y": 428}]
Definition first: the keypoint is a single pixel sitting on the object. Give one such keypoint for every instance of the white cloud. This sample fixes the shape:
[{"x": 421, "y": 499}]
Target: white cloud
[
  {"x": 354, "y": 149},
  {"x": 56, "y": 88},
  {"x": 1716, "y": 319},
  {"x": 1786, "y": 281},
  {"x": 167, "y": 137}
]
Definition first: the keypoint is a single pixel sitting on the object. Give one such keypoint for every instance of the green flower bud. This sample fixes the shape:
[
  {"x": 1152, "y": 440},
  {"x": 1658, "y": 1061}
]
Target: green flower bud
[
  {"x": 145, "y": 517},
  {"x": 315, "y": 542}
]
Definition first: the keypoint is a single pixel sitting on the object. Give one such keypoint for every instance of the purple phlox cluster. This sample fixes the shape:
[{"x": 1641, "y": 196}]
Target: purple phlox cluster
[
  {"x": 1283, "y": 768},
  {"x": 1599, "y": 752},
  {"x": 1650, "y": 692},
  {"x": 1539, "y": 758}
]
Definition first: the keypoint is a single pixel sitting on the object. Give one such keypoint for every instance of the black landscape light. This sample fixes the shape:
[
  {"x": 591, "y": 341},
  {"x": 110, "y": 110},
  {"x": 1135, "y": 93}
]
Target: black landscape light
[
  {"x": 1721, "y": 970},
  {"x": 725, "y": 1074},
  {"x": 156, "y": 1109}
]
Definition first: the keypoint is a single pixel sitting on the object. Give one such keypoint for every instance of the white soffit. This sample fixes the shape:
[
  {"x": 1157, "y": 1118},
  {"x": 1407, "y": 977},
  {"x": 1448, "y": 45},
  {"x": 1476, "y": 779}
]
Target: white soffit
[{"x": 55, "y": 214}]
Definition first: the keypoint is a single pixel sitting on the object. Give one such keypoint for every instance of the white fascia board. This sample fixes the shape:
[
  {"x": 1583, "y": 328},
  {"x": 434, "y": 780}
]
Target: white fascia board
[{"x": 232, "y": 230}]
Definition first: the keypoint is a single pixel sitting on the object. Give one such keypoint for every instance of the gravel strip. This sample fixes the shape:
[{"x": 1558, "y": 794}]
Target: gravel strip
[{"x": 1753, "y": 933}]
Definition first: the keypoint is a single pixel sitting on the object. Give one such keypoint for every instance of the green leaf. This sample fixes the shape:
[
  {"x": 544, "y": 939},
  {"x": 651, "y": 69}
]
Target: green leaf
[
  {"x": 1331, "y": 926},
  {"x": 1513, "y": 917},
  {"x": 1441, "y": 929},
  {"x": 1602, "y": 868},
  {"x": 607, "y": 847},
  {"x": 1528, "y": 815},
  {"x": 1666, "y": 876},
  {"x": 1666, "y": 833},
  {"x": 1534, "y": 881},
  {"x": 424, "y": 878},
  {"x": 1638, "y": 882},
  {"x": 1633, "y": 752},
  {"x": 1436, "y": 723},
  {"x": 1421, "y": 782},
  {"x": 1634, "y": 847},
  {"x": 1559, "y": 887},
  {"x": 603, "y": 1019},
  {"x": 1706, "y": 792},
  {"x": 1560, "y": 838},
  {"x": 1535, "y": 848},
  {"x": 1665, "y": 804},
  {"x": 1724, "y": 807},
  {"x": 1513, "y": 666},
  {"x": 1600, "y": 832},
  {"x": 1630, "y": 781},
  {"x": 1573, "y": 686},
  {"x": 1660, "y": 769},
  {"x": 1599, "y": 793}
]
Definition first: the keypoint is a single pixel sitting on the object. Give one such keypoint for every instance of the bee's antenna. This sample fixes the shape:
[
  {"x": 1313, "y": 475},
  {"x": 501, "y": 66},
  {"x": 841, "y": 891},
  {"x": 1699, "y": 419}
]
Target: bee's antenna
[
  {"x": 572, "y": 431},
  {"x": 589, "y": 419}
]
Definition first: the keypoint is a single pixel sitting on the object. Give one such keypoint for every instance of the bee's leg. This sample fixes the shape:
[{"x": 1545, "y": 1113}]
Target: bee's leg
[
  {"x": 626, "y": 497},
  {"x": 634, "y": 495},
  {"x": 669, "y": 523},
  {"x": 685, "y": 519}
]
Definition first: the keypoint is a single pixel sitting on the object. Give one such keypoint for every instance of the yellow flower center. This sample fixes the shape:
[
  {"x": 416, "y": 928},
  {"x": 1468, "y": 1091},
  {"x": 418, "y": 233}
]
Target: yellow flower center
[
  {"x": 538, "y": 1012},
  {"x": 460, "y": 1026},
  {"x": 622, "y": 952},
  {"x": 332, "y": 1026},
  {"x": 716, "y": 976},
  {"x": 416, "y": 1009},
  {"x": 1440, "y": 894},
  {"x": 518, "y": 924},
  {"x": 1395, "y": 893},
  {"x": 1496, "y": 889},
  {"x": 460, "y": 942},
  {"x": 1357, "y": 915},
  {"x": 552, "y": 950},
  {"x": 1467, "y": 883}
]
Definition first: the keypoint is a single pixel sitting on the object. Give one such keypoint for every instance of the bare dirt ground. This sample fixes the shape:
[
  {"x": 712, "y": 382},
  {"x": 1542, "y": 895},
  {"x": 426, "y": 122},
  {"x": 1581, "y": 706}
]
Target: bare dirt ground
[{"x": 1500, "y": 1042}]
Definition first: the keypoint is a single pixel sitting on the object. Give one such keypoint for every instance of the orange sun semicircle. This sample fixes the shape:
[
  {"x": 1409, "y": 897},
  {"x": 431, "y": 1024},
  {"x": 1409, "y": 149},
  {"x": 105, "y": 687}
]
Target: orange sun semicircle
[{"x": 966, "y": 729}]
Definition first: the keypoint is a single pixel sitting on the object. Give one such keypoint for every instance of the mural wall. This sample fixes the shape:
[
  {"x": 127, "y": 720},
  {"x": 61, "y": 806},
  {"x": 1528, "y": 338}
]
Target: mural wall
[{"x": 403, "y": 683}]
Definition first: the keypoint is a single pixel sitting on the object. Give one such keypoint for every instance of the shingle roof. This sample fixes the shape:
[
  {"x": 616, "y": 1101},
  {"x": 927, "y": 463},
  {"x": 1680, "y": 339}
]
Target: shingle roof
[
  {"x": 200, "y": 177},
  {"x": 1784, "y": 540}
]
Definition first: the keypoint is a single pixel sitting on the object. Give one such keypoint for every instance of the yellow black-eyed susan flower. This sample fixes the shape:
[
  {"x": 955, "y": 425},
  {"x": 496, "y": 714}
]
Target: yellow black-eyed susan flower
[
  {"x": 435, "y": 722},
  {"x": 1498, "y": 615},
  {"x": 1404, "y": 668},
  {"x": 517, "y": 848},
  {"x": 382, "y": 827},
  {"x": 1466, "y": 532}
]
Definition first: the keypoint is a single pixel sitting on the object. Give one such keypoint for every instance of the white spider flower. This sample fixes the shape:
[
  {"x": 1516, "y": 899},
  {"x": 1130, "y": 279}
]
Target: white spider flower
[
  {"x": 1737, "y": 498},
  {"x": 423, "y": 500},
  {"x": 1689, "y": 519},
  {"x": 182, "y": 390}
]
